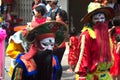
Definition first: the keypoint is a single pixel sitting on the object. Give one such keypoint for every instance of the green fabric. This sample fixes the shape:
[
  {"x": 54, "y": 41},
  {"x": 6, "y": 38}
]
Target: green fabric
[
  {"x": 101, "y": 76},
  {"x": 104, "y": 66}
]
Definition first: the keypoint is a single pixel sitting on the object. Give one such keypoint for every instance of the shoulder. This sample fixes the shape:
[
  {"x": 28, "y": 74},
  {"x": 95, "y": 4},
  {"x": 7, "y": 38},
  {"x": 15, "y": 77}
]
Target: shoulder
[
  {"x": 28, "y": 65},
  {"x": 88, "y": 32}
]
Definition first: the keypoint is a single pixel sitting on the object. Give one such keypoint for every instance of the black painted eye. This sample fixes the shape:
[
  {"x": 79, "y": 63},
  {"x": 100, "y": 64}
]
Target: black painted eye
[{"x": 45, "y": 44}]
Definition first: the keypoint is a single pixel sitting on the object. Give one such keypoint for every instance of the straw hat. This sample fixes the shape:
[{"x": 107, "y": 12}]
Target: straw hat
[{"x": 94, "y": 8}]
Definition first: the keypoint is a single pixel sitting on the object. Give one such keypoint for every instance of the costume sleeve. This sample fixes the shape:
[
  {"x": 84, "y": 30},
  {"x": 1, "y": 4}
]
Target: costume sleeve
[
  {"x": 14, "y": 49},
  {"x": 84, "y": 55}
]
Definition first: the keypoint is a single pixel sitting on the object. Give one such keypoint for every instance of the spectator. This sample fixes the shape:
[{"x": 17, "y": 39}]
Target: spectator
[
  {"x": 35, "y": 3},
  {"x": 62, "y": 18},
  {"x": 39, "y": 13},
  {"x": 53, "y": 10}
]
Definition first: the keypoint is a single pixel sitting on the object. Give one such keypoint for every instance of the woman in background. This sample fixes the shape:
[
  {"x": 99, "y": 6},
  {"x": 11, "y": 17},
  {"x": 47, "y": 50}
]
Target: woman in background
[{"x": 63, "y": 18}]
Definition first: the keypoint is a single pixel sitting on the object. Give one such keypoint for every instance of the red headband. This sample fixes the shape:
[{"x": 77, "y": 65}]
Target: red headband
[{"x": 43, "y": 36}]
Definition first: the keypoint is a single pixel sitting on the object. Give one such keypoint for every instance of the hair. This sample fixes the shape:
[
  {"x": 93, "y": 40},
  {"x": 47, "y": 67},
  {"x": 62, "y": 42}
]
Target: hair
[
  {"x": 40, "y": 9},
  {"x": 73, "y": 32},
  {"x": 63, "y": 15},
  {"x": 55, "y": 2},
  {"x": 118, "y": 1},
  {"x": 117, "y": 37},
  {"x": 33, "y": 3},
  {"x": 47, "y": 2}
]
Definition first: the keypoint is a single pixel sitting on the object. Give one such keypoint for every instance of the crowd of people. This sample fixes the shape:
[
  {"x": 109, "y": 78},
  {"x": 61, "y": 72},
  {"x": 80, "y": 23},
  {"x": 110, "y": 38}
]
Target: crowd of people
[{"x": 37, "y": 50}]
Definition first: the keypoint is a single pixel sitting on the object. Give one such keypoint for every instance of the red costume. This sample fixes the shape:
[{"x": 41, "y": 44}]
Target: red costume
[
  {"x": 95, "y": 46},
  {"x": 73, "y": 50},
  {"x": 115, "y": 69},
  {"x": 91, "y": 66},
  {"x": 38, "y": 21}
]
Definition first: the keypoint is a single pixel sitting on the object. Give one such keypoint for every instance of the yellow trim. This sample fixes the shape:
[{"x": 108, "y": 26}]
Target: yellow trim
[
  {"x": 81, "y": 53},
  {"x": 91, "y": 32},
  {"x": 10, "y": 72},
  {"x": 111, "y": 47}
]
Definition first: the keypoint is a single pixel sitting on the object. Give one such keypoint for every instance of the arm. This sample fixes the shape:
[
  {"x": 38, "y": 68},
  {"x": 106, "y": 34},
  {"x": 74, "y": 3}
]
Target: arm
[
  {"x": 118, "y": 48},
  {"x": 84, "y": 56}
]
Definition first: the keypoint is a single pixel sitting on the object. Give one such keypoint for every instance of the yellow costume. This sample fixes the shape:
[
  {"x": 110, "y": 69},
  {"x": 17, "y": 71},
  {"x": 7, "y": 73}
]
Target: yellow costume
[{"x": 16, "y": 45}]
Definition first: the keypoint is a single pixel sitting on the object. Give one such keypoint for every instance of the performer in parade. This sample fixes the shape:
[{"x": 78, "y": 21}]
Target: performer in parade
[
  {"x": 115, "y": 69},
  {"x": 73, "y": 43},
  {"x": 17, "y": 43},
  {"x": 95, "y": 47},
  {"x": 41, "y": 62}
]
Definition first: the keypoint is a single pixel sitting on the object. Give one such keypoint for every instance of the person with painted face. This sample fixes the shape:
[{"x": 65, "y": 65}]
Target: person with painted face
[
  {"x": 40, "y": 62},
  {"x": 94, "y": 48}
]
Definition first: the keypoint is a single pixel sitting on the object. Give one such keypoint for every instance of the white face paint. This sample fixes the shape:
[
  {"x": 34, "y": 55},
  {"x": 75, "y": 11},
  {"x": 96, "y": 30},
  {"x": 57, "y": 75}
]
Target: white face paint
[
  {"x": 99, "y": 17},
  {"x": 47, "y": 43}
]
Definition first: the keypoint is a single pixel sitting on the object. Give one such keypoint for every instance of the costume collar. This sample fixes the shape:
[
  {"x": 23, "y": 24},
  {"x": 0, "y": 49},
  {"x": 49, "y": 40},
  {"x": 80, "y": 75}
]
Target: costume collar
[{"x": 90, "y": 30}]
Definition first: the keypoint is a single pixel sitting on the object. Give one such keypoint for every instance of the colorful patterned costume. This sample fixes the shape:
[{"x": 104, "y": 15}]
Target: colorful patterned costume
[{"x": 44, "y": 63}]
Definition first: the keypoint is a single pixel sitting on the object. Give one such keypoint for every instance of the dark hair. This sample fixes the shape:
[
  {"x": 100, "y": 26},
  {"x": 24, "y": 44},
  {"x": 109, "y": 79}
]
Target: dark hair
[
  {"x": 117, "y": 37},
  {"x": 55, "y": 2},
  {"x": 116, "y": 21},
  {"x": 73, "y": 32},
  {"x": 63, "y": 15},
  {"x": 118, "y": 1},
  {"x": 33, "y": 3},
  {"x": 40, "y": 9}
]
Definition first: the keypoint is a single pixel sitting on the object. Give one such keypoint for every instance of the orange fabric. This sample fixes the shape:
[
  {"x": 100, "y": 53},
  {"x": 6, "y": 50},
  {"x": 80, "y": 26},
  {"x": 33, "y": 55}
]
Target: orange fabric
[
  {"x": 30, "y": 64},
  {"x": 72, "y": 56},
  {"x": 18, "y": 28},
  {"x": 53, "y": 62}
]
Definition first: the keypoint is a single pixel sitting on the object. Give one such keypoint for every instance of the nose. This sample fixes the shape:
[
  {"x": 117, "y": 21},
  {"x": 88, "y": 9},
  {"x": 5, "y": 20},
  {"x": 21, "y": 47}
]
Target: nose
[
  {"x": 50, "y": 47},
  {"x": 101, "y": 20}
]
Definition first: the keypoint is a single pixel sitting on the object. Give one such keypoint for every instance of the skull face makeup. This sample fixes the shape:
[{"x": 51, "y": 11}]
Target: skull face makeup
[
  {"x": 99, "y": 17},
  {"x": 47, "y": 44}
]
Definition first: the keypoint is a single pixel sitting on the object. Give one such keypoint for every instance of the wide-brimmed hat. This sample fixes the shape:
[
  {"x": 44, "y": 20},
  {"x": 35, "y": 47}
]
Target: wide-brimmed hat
[
  {"x": 94, "y": 8},
  {"x": 49, "y": 29}
]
